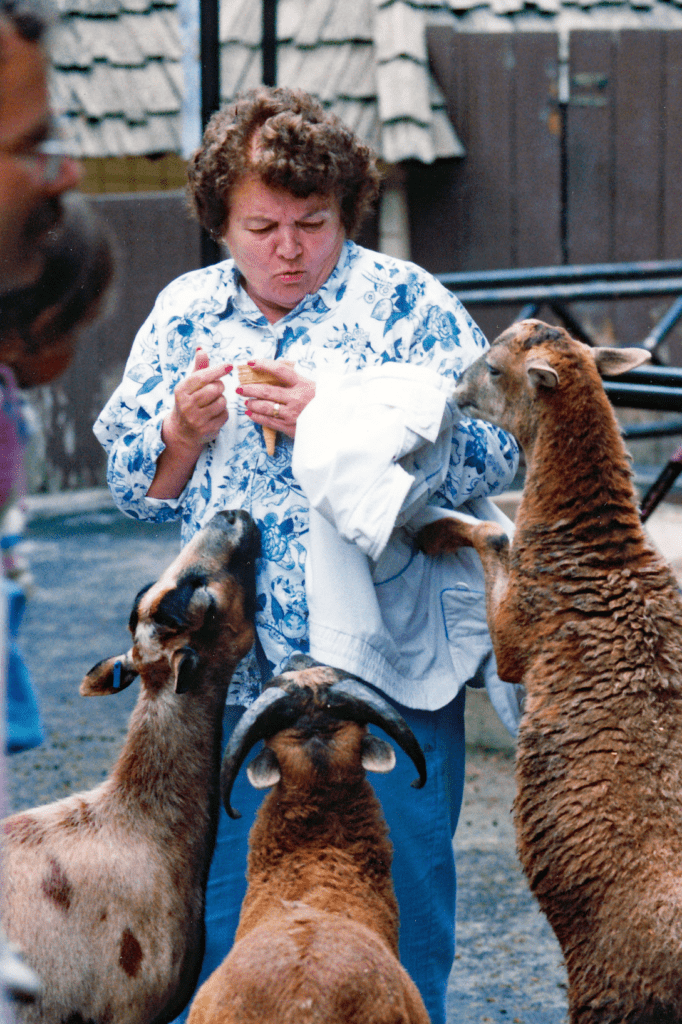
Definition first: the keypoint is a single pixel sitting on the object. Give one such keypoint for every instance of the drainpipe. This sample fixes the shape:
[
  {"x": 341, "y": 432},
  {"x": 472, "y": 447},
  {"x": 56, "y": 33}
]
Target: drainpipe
[
  {"x": 269, "y": 42},
  {"x": 210, "y": 96}
]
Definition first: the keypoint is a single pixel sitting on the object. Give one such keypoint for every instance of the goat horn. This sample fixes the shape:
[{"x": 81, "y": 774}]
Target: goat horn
[
  {"x": 353, "y": 700},
  {"x": 275, "y": 709}
]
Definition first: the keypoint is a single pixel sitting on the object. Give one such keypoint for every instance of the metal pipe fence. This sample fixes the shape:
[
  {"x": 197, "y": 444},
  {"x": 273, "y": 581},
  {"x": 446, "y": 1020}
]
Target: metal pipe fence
[{"x": 655, "y": 387}]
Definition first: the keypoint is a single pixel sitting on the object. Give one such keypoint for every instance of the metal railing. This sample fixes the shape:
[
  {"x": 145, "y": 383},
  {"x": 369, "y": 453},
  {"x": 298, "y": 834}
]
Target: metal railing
[{"x": 655, "y": 387}]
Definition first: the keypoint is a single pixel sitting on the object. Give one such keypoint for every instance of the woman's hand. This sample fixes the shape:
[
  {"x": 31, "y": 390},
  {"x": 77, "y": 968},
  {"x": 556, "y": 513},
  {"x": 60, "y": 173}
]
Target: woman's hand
[
  {"x": 199, "y": 408},
  {"x": 277, "y": 406},
  {"x": 199, "y": 411}
]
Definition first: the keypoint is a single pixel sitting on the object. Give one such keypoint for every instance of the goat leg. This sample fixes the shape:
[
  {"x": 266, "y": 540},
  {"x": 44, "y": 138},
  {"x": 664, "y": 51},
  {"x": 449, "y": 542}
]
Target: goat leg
[
  {"x": 492, "y": 545},
  {"x": 488, "y": 539}
]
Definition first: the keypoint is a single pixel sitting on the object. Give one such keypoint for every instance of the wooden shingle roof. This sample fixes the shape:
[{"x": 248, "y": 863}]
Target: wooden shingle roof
[
  {"x": 118, "y": 64},
  {"x": 524, "y": 15},
  {"x": 118, "y": 76},
  {"x": 117, "y": 79},
  {"x": 365, "y": 59}
]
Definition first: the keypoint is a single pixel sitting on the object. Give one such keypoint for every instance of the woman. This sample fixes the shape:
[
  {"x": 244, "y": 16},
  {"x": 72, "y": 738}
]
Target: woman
[{"x": 285, "y": 186}]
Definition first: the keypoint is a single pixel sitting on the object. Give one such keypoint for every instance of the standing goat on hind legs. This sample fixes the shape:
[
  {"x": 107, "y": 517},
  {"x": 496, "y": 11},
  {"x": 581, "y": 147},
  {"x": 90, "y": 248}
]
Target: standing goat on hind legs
[
  {"x": 104, "y": 890},
  {"x": 317, "y": 941},
  {"x": 585, "y": 613}
]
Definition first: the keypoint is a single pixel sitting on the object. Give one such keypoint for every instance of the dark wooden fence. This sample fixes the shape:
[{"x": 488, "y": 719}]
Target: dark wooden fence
[{"x": 591, "y": 181}]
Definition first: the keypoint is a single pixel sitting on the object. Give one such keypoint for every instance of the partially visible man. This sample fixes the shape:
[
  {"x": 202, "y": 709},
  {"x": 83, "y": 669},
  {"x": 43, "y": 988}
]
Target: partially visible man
[{"x": 32, "y": 179}]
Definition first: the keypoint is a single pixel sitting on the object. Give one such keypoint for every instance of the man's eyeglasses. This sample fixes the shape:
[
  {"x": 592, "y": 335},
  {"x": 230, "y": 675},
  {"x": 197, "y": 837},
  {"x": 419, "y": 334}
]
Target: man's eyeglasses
[{"x": 44, "y": 161}]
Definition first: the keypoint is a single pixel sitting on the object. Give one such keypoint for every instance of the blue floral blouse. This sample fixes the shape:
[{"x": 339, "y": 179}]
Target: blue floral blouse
[{"x": 371, "y": 309}]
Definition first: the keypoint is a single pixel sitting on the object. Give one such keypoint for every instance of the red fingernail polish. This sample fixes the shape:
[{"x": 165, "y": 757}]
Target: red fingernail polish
[
  {"x": 228, "y": 368},
  {"x": 239, "y": 391},
  {"x": 248, "y": 412},
  {"x": 252, "y": 363}
]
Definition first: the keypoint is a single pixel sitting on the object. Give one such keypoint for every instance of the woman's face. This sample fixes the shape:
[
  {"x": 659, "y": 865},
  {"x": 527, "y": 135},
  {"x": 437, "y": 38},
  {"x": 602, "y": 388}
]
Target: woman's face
[{"x": 284, "y": 247}]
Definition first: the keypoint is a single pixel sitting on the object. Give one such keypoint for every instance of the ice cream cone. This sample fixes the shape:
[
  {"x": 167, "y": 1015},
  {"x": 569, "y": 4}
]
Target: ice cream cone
[{"x": 249, "y": 375}]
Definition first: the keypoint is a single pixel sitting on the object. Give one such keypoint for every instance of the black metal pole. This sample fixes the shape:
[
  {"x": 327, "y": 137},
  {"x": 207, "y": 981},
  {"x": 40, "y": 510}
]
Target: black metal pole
[
  {"x": 210, "y": 96},
  {"x": 663, "y": 327},
  {"x": 269, "y": 42},
  {"x": 661, "y": 485},
  {"x": 210, "y": 59}
]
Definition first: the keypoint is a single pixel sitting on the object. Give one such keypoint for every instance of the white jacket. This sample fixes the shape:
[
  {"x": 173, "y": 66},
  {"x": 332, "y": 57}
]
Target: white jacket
[{"x": 370, "y": 450}]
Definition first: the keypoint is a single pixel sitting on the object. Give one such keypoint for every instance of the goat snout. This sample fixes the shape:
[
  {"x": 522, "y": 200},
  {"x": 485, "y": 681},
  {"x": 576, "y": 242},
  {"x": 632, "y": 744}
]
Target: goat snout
[{"x": 233, "y": 527}]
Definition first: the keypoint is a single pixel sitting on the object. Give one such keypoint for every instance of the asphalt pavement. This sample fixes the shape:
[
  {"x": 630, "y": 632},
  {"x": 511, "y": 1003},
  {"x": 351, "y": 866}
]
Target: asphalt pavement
[{"x": 89, "y": 561}]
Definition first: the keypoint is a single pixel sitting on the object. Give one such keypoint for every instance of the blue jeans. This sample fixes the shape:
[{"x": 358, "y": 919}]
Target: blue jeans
[{"x": 422, "y": 824}]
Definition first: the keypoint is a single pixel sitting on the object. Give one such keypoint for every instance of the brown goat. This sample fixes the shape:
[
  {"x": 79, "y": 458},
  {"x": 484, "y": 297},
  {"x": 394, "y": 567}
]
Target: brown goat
[
  {"x": 586, "y": 614},
  {"x": 104, "y": 890},
  {"x": 317, "y": 941}
]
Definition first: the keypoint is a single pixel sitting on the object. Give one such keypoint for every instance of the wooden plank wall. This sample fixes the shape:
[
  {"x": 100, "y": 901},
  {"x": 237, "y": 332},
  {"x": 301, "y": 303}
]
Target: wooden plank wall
[
  {"x": 155, "y": 241},
  {"x": 106, "y": 175},
  {"x": 500, "y": 206}
]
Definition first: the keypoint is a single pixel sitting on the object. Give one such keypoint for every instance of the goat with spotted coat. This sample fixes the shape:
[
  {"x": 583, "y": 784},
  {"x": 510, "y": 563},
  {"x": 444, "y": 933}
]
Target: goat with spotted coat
[{"x": 104, "y": 890}]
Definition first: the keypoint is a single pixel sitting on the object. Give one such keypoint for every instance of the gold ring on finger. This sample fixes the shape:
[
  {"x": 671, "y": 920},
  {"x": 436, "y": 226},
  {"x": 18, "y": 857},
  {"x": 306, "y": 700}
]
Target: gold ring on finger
[{"x": 275, "y": 410}]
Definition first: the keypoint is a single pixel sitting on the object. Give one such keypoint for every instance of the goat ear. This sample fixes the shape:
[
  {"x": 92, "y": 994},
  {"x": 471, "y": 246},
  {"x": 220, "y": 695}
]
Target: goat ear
[
  {"x": 263, "y": 771},
  {"x": 611, "y": 362},
  {"x": 185, "y": 662},
  {"x": 540, "y": 372},
  {"x": 109, "y": 676},
  {"x": 377, "y": 754}
]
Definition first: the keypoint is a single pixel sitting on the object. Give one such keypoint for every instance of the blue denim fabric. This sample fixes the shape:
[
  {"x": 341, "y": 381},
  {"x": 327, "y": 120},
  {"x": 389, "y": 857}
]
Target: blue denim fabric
[
  {"x": 422, "y": 824},
  {"x": 23, "y": 723}
]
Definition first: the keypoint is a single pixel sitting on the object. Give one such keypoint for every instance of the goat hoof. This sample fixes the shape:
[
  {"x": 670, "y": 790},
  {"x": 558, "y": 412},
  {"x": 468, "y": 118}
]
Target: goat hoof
[
  {"x": 499, "y": 542},
  {"x": 443, "y": 535}
]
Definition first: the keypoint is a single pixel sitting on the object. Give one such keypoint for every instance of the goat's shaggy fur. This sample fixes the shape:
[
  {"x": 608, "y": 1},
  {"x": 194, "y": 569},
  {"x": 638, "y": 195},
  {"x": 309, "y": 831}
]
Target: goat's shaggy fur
[
  {"x": 588, "y": 616},
  {"x": 317, "y": 941},
  {"x": 104, "y": 890}
]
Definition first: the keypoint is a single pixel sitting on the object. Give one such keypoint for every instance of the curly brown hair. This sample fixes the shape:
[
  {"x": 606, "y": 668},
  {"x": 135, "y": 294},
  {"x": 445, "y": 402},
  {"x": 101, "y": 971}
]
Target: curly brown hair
[{"x": 286, "y": 137}]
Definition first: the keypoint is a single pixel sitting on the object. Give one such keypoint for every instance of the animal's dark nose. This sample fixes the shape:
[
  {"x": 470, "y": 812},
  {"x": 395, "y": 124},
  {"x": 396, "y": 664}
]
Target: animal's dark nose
[
  {"x": 238, "y": 527},
  {"x": 229, "y": 517}
]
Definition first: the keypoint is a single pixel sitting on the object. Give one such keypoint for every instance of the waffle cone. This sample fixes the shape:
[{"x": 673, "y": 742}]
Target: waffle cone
[{"x": 249, "y": 375}]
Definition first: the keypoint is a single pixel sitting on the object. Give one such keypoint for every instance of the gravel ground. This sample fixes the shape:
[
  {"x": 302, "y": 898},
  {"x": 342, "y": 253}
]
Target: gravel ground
[
  {"x": 88, "y": 568},
  {"x": 508, "y": 965}
]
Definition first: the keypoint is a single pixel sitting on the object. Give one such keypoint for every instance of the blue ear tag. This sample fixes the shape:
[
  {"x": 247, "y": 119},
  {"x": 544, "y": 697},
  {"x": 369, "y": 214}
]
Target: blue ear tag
[{"x": 117, "y": 675}]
